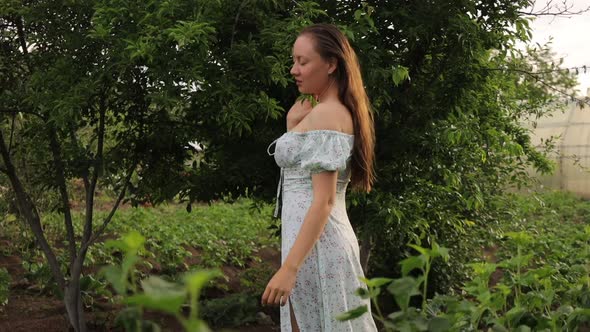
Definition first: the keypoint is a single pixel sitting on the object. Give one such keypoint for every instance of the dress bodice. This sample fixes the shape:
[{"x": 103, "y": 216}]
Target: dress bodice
[{"x": 301, "y": 154}]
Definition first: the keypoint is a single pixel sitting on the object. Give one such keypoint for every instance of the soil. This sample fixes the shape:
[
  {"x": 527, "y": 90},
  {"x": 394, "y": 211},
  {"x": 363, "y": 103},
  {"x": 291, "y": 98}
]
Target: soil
[
  {"x": 489, "y": 254},
  {"x": 29, "y": 309}
]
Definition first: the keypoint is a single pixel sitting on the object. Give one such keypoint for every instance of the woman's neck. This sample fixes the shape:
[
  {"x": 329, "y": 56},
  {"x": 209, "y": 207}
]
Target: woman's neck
[{"x": 329, "y": 93}]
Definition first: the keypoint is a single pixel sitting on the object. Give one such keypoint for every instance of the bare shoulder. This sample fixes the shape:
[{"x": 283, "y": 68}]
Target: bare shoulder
[{"x": 331, "y": 116}]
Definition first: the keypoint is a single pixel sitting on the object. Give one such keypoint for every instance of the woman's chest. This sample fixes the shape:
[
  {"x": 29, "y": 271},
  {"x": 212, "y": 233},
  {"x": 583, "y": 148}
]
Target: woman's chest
[{"x": 287, "y": 151}]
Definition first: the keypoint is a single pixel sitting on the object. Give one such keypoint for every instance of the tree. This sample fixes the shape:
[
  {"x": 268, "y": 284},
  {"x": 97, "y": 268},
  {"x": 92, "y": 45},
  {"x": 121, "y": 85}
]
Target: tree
[
  {"x": 448, "y": 132},
  {"x": 95, "y": 88}
]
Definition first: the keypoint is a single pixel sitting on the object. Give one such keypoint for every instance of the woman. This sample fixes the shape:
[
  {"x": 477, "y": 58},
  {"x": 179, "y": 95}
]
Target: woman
[{"x": 323, "y": 149}]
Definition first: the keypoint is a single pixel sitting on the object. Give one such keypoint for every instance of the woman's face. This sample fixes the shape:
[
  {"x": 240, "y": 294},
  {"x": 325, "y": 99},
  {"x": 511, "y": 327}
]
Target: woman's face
[{"x": 309, "y": 69}]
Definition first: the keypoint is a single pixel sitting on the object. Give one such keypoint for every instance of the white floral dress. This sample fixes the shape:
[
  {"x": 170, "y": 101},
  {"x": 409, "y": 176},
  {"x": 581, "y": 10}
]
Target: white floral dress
[{"x": 326, "y": 282}]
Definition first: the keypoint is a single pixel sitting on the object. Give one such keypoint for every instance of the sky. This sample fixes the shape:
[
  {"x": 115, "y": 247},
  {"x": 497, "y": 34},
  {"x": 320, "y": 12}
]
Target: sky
[{"x": 571, "y": 36}]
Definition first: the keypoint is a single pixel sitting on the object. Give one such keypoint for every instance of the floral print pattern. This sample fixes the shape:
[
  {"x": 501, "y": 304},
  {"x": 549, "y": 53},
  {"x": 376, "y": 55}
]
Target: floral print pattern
[{"x": 326, "y": 282}]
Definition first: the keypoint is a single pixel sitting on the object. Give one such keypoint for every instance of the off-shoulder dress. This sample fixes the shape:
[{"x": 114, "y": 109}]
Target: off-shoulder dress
[{"x": 326, "y": 282}]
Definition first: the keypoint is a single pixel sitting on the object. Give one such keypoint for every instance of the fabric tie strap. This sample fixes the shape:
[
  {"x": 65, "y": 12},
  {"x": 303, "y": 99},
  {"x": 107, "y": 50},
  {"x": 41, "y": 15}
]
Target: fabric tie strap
[
  {"x": 268, "y": 148},
  {"x": 279, "y": 187}
]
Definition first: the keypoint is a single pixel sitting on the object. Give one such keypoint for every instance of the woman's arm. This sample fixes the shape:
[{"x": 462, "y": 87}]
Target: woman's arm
[
  {"x": 324, "y": 190},
  {"x": 279, "y": 287},
  {"x": 324, "y": 193}
]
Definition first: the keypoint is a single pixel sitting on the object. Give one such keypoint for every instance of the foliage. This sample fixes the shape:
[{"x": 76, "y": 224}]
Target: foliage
[
  {"x": 542, "y": 282},
  {"x": 449, "y": 89},
  {"x": 255, "y": 278},
  {"x": 156, "y": 293},
  {"x": 217, "y": 234},
  {"x": 231, "y": 311},
  {"x": 224, "y": 234}
]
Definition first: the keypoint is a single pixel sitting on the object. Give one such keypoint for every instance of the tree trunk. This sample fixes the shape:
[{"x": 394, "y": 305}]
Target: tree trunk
[
  {"x": 74, "y": 307},
  {"x": 366, "y": 246},
  {"x": 28, "y": 210}
]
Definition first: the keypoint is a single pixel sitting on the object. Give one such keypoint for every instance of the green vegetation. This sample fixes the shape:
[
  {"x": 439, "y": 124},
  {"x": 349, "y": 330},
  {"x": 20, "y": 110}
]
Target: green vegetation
[
  {"x": 173, "y": 242},
  {"x": 218, "y": 234},
  {"x": 532, "y": 268},
  {"x": 222, "y": 233},
  {"x": 155, "y": 293},
  {"x": 538, "y": 280}
]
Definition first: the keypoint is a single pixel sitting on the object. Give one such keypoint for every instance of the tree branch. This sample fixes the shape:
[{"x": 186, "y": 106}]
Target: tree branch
[
  {"x": 90, "y": 186},
  {"x": 85, "y": 170},
  {"x": 11, "y": 133},
  {"x": 577, "y": 69},
  {"x": 538, "y": 79},
  {"x": 546, "y": 11},
  {"x": 40, "y": 116},
  {"x": 29, "y": 211},
  {"x": 21, "y": 36},
  {"x": 107, "y": 220},
  {"x": 76, "y": 268},
  {"x": 98, "y": 162},
  {"x": 63, "y": 191},
  {"x": 233, "y": 32}
]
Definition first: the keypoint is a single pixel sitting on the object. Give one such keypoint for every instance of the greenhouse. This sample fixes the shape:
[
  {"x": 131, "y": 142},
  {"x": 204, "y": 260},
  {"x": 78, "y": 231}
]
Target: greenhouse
[{"x": 571, "y": 131}]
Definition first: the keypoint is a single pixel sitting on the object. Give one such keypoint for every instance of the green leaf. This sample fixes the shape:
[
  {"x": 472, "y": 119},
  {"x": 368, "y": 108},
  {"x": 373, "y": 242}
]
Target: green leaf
[
  {"x": 352, "y": 314},
  {"x": 131, "y": 242},
  {"x": 439, "y": 324},
  {"x": 378, "y": 282},
  {"x": 196, "y": 280},
  {"x": 441, "y": 252},
  {"x": 358, "y": 14},
  {"x": 514, "y": 315},
  {"x": 308, "y": 97},
  {"x": 421, "y": 250},
  {"x": 398, "y": 74},
  {"x": 363, "y": 293},
  {"x": 411, "y": 263},
  {"x": 403, "y": 289},
  {"x": 499, "y": 328},
  {"x": 116, "y": 277},
  {"x": 159, "y": 294},
  {"x": 565, "y": 310}
]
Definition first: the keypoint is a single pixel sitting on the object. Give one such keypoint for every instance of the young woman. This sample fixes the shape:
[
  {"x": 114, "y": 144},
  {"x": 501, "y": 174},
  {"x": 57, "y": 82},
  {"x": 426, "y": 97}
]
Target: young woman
[{"x": 324, "y": 148}]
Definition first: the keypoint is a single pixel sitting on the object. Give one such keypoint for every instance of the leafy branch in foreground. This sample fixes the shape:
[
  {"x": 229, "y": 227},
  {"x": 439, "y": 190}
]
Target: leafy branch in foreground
[{"x": 155, "y": 293}]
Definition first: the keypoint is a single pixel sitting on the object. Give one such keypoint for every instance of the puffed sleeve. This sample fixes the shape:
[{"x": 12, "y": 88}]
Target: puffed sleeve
[{"x": 326, "y": 151}]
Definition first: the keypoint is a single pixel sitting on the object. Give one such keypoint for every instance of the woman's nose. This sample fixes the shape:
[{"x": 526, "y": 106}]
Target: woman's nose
[{"x": 294, "y": 70}]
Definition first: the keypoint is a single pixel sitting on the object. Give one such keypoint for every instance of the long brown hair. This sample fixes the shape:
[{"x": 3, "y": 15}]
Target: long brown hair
[{"x": 330, "y": 43}]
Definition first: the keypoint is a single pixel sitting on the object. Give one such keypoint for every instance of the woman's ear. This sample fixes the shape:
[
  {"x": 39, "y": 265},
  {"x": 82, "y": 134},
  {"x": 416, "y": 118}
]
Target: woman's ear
[{"x": 332, "y": 65}]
